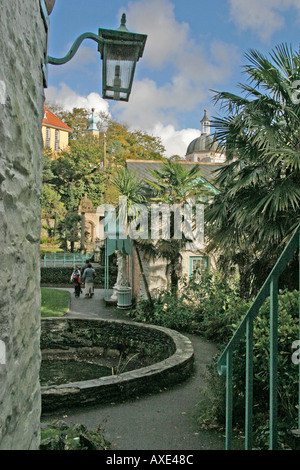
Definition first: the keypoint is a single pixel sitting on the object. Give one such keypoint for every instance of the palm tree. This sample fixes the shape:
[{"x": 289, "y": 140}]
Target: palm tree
[
  {"x": 257, "y": 208},
  {"x": 175, "y": 184},
  {"x": 132, "y": 188}
]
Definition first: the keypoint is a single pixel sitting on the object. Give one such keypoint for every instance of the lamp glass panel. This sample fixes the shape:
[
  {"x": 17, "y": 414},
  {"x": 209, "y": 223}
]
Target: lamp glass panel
[{"x": 120, "y": 62}]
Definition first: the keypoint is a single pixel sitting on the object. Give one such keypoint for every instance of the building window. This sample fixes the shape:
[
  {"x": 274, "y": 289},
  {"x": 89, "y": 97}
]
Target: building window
[
  {"x": 56, "y": 140},
  {"x": 198, "y": 265},
  {"x": 48, "y": 135}
]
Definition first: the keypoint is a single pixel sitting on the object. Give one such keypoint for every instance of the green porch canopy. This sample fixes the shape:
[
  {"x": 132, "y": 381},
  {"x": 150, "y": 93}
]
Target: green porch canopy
[{"x": 114, "y": 241}]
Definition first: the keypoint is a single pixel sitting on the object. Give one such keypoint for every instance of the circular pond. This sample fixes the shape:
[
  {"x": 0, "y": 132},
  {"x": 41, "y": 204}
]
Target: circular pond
[
  {"x": 98, "y": 361},
  {"x": 57, "y": 372}
]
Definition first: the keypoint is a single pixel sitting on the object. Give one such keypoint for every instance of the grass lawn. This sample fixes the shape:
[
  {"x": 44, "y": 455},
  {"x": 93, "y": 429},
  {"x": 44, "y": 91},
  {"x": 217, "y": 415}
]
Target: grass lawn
[{"x": 55, "y": 302}]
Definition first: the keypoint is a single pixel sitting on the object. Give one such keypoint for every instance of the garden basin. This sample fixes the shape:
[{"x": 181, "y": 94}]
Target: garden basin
[{"x": 168, "y": 355}]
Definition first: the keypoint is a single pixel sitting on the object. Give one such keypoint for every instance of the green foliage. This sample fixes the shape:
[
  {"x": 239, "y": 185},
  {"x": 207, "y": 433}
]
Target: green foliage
[
  {"x": 211, "y": 409},
  {"x": 77, "y": 119},
  {"x": 208, "y": 305},
  {"x": 168, "y": 311},
  {"x": 61, "y": 276},
  {"x": 123, "y": 144},
  {"x": 47, "y": 248},
  {"x": 51, "y": 204},
  {"x": 68, "y": 229},
  {"x": 128, "y": 185},
  {"x": 257, "y": 208},
  {"x": 58, "y": 435},
  {"x": 218, "y": 305}
]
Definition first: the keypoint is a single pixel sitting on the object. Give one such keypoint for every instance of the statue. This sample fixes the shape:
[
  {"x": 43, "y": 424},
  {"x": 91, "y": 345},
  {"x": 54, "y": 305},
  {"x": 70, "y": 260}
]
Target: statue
[{"x": 121, "y": 277}]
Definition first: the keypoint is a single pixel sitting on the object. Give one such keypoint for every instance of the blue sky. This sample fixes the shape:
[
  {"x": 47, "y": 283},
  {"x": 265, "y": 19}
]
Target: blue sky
[{"x": 193, "y": 46}]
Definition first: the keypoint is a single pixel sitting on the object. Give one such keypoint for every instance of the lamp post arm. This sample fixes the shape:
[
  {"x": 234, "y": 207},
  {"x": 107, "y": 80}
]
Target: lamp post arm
[{"x": 74, "y": 49}]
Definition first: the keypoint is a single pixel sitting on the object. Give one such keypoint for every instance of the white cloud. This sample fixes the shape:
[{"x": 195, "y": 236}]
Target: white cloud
[
  {"x": 175, "y": 141},
  {"x": 69, "y": 99},
  {"x": 166, "y": 36},
  {"x": 264, "y": 17},
  {"x": 188, "y": 70}
]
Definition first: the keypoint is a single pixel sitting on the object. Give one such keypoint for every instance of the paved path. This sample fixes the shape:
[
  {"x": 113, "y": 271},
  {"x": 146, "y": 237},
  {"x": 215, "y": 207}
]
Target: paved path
[{"x": 163, "y": 421}]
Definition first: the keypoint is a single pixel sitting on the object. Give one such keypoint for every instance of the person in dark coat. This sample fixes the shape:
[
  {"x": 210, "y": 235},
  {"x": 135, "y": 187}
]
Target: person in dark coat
[{"x": 76, "y": 280}]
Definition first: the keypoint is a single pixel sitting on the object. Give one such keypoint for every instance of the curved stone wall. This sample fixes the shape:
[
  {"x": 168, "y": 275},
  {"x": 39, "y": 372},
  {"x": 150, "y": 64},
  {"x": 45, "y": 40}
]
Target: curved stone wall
[{"x": 174, "y": 350}]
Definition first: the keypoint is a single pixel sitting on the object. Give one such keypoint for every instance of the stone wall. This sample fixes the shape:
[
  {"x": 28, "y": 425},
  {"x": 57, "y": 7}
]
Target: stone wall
[
  {"x": 22, "y": 47},
  {"x": 173, "y": 352}
]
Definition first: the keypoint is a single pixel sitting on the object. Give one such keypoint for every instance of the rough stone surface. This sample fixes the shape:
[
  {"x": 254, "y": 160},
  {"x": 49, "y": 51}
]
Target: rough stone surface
[{"x": 22, "y": 48}]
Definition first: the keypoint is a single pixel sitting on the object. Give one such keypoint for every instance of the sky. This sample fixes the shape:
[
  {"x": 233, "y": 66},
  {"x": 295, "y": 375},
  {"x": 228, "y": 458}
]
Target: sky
[{"x": 193, "y": 47}]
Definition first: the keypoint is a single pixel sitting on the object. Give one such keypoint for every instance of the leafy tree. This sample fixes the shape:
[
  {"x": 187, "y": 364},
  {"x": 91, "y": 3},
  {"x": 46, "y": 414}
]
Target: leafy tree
[
  {"x": 69, "y": 229},
  {"x": 51, "y": 204},
  {"x": 52, "y": 207},
  {"x": 123, "y": 144},
  {"x": 77, "y": 173},
  {"x": 257, "y": 208},
  {"x": 77, "y": 119},
  {"x": 47, "y": 173}
]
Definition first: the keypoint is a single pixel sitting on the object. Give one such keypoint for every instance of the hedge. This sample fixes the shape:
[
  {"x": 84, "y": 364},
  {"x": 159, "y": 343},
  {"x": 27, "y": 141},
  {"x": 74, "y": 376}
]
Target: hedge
[{"x": 61, "y": 276}]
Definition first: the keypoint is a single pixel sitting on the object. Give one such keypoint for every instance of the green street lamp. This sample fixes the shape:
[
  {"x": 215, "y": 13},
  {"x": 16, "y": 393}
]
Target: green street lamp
[{"x": 120, "y": 51}]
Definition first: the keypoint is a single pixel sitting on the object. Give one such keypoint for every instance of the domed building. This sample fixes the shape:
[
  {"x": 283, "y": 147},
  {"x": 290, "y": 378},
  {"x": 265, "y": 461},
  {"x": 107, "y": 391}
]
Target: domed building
[{"x": 204, "y": 148}]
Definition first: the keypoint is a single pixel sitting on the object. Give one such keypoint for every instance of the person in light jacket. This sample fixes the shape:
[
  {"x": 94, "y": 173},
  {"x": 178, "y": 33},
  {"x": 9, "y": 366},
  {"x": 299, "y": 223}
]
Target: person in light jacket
[{"x": 88, "y": 279}]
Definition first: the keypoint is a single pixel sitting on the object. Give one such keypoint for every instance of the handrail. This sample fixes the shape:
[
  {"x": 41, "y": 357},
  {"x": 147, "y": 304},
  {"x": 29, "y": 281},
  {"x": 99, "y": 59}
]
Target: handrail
[
  {"x": 65, "y": 257},
  {"x": 225, "y": 362}
]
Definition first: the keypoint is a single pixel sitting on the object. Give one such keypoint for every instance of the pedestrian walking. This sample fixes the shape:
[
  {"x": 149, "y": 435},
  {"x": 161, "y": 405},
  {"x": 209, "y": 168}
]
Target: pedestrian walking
[
  {"x": 88, "y": 279},
  {"x": 76, "y": 280}
]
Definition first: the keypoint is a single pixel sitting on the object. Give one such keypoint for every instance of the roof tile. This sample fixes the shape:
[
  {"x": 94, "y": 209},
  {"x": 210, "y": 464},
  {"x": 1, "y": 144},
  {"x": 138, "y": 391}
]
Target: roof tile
[{"x": 52, "y": 120}]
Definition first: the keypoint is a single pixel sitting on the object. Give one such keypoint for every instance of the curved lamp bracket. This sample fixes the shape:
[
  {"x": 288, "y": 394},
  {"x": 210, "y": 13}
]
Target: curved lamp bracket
[
  {"x": 120, "y": 50},
  {"x": 74, "y": 48}
]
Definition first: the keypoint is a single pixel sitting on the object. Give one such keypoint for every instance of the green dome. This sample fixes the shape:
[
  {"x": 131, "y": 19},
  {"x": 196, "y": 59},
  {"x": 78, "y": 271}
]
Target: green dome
[{"x": 203, "y": 143}]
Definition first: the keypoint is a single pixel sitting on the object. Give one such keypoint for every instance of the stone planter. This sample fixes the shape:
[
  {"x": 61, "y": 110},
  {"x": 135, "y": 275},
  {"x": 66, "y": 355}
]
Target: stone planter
[{"x": 124, "y": 295}]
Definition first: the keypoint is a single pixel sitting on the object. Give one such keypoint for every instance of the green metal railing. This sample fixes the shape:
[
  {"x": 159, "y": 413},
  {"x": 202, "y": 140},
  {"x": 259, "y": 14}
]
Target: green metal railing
[
  {"x": 225, "y": 363},
  {"x": 65, "y": 258}
]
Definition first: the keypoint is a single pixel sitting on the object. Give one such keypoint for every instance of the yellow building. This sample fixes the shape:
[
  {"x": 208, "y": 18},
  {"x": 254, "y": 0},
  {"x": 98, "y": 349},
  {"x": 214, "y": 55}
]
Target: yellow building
[{"x": 55, "y": 132}]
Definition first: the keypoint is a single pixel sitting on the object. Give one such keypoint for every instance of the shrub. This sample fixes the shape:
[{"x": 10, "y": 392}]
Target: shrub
[
  {"x": 211, "y": 409},
  {"x": 208, "y": 306},
  {"x": 61, "y": 275},
  {"x": 59, "y": 435},
  {"x": 169, "y": 311}
]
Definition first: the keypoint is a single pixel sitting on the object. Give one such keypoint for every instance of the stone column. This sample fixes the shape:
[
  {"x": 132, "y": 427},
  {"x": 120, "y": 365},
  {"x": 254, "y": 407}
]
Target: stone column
[
  {"x": 22, "y": 48},
  {"x": 82, "y": 239}
]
